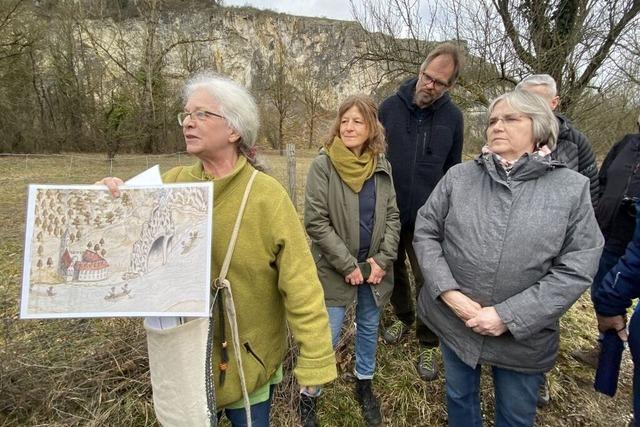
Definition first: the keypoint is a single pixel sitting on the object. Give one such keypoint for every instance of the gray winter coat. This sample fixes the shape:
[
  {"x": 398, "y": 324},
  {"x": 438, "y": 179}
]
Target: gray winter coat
[
  {"x": 332, "y": 222},
  {"x": 527, "y": 244}
]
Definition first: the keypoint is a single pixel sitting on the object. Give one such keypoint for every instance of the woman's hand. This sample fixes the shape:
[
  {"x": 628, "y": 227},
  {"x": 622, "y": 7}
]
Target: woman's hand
[
  {"x": 355, "y": 277},
  {"x": 617, "y": 323},
  {"x": 487, "y": 322},
  {"x": 463, "y": 306},
  {"x": 377, "y": 273},
  {"x": 113, "y": 183}
]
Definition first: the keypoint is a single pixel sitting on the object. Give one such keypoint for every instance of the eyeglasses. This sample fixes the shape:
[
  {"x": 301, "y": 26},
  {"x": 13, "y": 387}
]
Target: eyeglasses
[
  {"x": 428, "y": 80},
  {"x": 199, "y": 115},
  {"x": 509, "y": 119}
]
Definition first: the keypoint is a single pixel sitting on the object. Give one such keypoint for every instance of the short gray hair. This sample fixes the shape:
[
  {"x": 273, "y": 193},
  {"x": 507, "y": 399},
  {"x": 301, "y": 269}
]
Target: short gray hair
[
  {"x": 540, "y": 80},
  {"x": 237, "y": 106},
  {"x": 544, "y": 122}
]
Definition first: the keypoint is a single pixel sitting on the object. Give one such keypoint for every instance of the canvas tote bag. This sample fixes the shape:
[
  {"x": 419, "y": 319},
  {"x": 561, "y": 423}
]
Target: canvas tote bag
[{"x": 180, "y": 359}]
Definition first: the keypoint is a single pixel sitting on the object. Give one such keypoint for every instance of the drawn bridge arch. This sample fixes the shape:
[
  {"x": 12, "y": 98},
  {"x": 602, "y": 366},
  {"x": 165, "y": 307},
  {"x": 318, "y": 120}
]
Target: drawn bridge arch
[{"x": 156, "y": 236}]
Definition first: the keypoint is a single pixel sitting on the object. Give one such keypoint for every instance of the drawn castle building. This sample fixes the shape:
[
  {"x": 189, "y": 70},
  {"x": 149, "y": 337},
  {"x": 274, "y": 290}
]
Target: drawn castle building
[{"x": 87, "y": 266}]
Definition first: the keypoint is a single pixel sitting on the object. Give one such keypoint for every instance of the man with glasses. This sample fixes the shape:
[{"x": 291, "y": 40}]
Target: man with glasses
[{"x": 424, "y": 130}]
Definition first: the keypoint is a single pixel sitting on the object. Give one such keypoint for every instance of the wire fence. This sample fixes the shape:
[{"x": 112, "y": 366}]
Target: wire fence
[
  {"x": 20, "y": 170},
  {"x": 44, "y": 166}
]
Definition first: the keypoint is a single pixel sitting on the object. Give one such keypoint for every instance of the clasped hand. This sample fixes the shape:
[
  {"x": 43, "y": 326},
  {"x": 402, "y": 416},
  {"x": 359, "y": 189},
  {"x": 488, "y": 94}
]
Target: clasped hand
[
  {"x": 482, "y": 320},
  {"x": 375, "y": 277}
]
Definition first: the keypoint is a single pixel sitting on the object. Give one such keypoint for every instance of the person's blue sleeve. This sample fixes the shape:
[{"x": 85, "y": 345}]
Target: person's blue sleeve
[{"x": 622, "y": 282}]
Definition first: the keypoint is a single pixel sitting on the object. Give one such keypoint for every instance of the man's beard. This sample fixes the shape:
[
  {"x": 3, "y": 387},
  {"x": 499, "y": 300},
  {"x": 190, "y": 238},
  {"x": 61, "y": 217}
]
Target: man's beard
[{"x": 424, "y": 99}]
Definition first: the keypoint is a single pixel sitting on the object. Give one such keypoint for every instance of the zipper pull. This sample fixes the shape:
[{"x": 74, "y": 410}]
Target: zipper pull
[
  {"x": 424, "y": 142},
  {"x": 615, "y": 281}
]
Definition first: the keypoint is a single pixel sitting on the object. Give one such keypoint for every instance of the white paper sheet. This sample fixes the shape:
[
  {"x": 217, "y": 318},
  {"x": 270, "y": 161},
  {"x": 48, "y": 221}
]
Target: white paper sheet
[{"x": 57, "y": 211}]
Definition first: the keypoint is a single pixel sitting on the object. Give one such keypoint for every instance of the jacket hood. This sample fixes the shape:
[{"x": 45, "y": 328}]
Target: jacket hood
[
  {"x": 528, "y": 167},
  {"x": 381, "y": 166},
  {"x": 407, "y": 90}
]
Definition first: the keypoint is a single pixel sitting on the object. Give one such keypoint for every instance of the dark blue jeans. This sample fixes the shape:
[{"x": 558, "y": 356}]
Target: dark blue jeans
[
  {"x": 367, "y": 321},
  {"x": 259, "y": 413},
  {"x": 516, "y": 394}
]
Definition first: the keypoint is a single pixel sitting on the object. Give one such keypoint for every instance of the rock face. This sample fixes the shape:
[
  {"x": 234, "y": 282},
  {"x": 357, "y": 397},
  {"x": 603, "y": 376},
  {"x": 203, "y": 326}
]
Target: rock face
[
  {"x": 248, "y": 45},
  {"x": 105, "y": 75}
]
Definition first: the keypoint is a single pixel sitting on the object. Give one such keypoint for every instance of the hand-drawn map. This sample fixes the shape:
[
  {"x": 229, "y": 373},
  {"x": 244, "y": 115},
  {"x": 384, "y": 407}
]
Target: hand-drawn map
[{"x": 145, "y": 253}]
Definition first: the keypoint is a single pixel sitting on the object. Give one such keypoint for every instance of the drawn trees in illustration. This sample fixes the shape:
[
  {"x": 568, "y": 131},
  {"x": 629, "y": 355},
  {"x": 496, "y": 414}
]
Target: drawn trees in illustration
[
  {"x": 49, "y": 262},
  {"x": 110, "y": 217},
  {"x": 126, "y": 201}
]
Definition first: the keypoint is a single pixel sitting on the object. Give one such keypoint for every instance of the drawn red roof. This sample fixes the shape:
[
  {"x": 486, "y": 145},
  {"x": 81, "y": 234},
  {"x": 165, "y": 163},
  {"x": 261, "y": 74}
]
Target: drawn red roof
[
  {"x": 91, "y": 256},
  {"x": 66, "y": 258},
  {"x": 91, "y": 261}
]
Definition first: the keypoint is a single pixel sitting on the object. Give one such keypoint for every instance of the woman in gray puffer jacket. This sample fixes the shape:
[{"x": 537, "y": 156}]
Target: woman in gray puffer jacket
[{"x": 506, "y": 243}]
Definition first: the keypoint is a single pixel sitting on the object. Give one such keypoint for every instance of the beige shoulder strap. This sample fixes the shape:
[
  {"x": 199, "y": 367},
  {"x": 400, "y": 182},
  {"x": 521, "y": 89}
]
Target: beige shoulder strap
[
  {"x": 229, "y": 305},
  {"x": 234, "y": 235}
]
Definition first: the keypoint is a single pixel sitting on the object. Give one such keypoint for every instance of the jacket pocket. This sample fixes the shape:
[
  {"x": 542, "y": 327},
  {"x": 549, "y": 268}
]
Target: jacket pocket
[{"x": 253, "y": 354}]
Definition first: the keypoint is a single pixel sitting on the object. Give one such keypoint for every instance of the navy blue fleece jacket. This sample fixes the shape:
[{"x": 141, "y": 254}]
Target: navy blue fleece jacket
[
  {"x": 423, "y": 143},
  {"x": 622, "y": 282}
]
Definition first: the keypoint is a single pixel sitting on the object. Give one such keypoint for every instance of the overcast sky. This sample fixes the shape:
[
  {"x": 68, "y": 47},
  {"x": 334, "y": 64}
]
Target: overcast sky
[{"x": 335, "y": 9}]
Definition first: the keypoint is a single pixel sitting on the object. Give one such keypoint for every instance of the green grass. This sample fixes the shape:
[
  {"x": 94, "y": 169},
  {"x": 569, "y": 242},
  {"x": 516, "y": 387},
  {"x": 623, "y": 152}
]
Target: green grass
[{"x": 94, "y": 372}]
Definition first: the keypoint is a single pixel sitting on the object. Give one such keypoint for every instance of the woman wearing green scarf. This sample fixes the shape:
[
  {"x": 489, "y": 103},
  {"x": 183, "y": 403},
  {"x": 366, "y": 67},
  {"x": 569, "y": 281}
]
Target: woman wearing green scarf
[{"x": 353, "y": 222}]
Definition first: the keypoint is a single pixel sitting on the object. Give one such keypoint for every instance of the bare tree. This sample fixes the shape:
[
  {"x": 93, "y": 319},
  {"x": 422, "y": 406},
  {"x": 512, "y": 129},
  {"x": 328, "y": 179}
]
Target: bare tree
[
  {"x": 572, "y": 40},
  {"x": 145, "y": 77},
  {"x": 313, "y": 84},
  {"x": 277, "y": 85},
  {"x": 393, "y": 35},
  {"x": 14, "y": 39},
  {"x": 568, "y": 39}
]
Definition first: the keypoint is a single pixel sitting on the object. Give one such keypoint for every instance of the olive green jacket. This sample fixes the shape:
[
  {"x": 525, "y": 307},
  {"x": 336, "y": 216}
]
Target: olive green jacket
[
  {"x": 332, "y": 221},
  {"x": 273, "y": 279}
]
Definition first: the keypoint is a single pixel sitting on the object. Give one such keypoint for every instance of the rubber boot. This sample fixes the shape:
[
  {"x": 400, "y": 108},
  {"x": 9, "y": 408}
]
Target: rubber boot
[{"x": 368, "y": 403}]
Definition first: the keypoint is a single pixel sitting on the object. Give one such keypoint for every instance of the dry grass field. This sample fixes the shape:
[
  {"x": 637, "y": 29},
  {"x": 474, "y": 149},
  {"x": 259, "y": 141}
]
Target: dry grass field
[{"x": 95, "y": 372}]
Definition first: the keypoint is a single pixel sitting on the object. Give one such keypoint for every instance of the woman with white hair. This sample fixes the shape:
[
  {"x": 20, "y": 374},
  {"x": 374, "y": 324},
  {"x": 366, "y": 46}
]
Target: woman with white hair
[
  {"x": 271, "y": 272},
  {"x": 507, "y": 243}
]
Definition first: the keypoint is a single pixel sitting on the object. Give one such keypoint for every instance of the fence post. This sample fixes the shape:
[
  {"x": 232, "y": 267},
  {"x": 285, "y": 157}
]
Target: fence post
[
  {"x": 179, "y": 158},
  {"x": 291, "y": 171}
]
